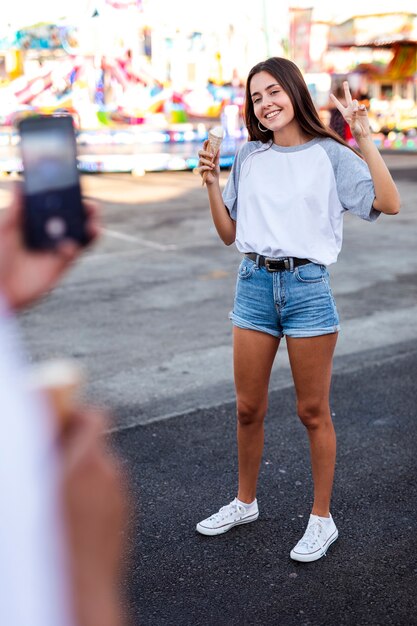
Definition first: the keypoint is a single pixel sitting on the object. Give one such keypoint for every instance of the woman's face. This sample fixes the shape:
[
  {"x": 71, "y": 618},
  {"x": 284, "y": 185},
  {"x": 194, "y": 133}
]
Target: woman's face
[{"x": 271, "y": 104}]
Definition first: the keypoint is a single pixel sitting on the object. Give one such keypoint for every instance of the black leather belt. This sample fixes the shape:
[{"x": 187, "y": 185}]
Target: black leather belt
[{"x": 276, "y": 265}]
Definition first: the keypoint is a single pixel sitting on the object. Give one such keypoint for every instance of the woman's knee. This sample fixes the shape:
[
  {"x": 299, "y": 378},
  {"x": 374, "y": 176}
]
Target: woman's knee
[
  {"x": 313, "y": 414},
  {"x": 249, "y": 412}
]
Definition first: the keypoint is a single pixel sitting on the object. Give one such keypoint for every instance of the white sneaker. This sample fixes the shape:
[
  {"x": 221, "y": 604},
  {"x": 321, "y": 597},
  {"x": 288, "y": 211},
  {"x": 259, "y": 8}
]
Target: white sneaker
[
  {"x": 230, "y": 515},
  {"x": 319, "y": 535}
]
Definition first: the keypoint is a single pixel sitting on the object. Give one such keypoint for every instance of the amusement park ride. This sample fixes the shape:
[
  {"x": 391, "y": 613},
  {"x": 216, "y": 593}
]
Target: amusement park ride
[{"x": 126, "y": 119}]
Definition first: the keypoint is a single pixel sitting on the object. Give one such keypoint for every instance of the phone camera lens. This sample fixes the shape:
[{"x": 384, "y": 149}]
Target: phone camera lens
[{"x": 55, "y": 227}]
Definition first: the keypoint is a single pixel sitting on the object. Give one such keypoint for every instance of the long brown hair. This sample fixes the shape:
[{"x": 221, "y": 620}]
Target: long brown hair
[{"x": 291, "y": 80}]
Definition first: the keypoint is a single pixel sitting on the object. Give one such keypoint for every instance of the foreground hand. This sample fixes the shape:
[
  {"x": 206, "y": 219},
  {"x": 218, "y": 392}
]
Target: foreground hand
[
  {"x": 94, "y": 507},
  {"x": 26, "y": 275},
  {"x": 354, "y": 114},
  {"x": 208, "y": 164}
]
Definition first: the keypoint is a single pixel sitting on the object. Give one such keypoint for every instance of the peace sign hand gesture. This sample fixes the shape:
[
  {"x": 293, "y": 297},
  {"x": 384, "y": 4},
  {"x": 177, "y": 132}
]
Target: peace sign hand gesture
[{"x": 354, "y": 113}]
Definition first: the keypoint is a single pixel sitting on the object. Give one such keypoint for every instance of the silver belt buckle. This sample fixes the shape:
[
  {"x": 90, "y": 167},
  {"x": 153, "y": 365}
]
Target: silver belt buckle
[
  {"x": 286, "y": 262},
  {"x": 267, "y": 264}
]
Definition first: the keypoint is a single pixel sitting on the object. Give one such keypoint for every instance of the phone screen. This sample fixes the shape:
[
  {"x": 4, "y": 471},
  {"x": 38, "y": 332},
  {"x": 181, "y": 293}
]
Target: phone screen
[{"x": 53, "y": 206}]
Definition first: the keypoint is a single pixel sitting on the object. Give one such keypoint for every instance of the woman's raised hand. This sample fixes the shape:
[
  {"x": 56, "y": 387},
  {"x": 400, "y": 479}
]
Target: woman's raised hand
[{"x": 354, "y": 113}]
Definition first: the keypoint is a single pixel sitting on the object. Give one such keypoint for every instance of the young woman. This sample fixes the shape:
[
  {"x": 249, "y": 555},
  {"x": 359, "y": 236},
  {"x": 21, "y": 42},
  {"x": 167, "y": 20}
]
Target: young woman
[{"x": 283, "y": 206}]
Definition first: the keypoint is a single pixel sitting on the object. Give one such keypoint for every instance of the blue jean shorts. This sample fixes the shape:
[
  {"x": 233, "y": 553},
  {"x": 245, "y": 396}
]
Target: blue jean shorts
[{"x": 297, "y": 303}]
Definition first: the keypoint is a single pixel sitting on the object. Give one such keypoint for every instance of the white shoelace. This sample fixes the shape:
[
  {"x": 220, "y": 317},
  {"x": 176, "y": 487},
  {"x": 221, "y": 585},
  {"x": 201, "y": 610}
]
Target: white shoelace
[
  {"x": 312, "y": 535},
  {"x": 227, "y": 511}
]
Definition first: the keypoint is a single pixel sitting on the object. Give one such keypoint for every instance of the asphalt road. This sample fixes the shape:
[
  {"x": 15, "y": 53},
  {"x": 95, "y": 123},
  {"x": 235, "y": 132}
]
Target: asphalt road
[
  {"x": 145, "y": 313},
  {"x": 183, "y": 468}
]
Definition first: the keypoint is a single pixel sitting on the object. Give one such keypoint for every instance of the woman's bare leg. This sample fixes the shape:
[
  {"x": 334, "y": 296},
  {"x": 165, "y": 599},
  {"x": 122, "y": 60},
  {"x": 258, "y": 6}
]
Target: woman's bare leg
[
  {"x": 253, "y": 354},
  {"x": 311, "y": 365}
]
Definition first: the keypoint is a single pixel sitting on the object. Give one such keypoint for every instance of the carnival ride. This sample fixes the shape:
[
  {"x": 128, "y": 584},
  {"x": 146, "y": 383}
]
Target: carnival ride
[{"x": 114, "y": 106}]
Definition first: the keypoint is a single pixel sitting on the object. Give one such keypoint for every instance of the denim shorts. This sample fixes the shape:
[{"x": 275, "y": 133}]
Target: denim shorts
[{"x": 297, "y": 303}]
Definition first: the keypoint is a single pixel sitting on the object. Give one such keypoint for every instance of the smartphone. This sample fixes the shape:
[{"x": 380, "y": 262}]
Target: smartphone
[{"x": 54, "y": 211}]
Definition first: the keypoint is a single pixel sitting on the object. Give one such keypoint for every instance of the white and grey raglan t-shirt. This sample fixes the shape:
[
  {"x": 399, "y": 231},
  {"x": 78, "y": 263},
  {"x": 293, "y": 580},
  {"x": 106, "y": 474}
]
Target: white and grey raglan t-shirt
[{"x": 290, "y": 201}]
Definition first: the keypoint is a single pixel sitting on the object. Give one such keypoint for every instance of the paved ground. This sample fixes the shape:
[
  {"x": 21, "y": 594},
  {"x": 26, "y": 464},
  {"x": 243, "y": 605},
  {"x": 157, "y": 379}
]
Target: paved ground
[
  {"x": 183, "y": 467},
  {"x": 146, "y": 311},
  {"x": 146, "y": 314}
]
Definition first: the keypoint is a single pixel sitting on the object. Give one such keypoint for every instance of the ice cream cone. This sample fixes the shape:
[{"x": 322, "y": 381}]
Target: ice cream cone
[
  {"x": 215, "y": 138},
  {"x": 60, "y": 381}
]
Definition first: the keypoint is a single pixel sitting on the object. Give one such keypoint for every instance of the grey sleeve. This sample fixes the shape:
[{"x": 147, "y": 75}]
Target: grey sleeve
[
  {"x": 230, "y": 191},
  {"x": 231, "y": 188},
  {"x": 353, "y": 181}
]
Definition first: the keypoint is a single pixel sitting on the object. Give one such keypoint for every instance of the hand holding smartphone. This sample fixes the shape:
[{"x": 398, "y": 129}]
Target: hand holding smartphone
[
  {"x": 53, "y": 210},
  {"x": 47, "y": 225}
]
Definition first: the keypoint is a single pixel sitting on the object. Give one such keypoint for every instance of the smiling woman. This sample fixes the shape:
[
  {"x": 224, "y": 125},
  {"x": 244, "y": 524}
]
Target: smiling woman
[
  {"x": 283, "y": 206},
  {"x": 271, "y": 104},
  {"x": 276, "y": 92}
]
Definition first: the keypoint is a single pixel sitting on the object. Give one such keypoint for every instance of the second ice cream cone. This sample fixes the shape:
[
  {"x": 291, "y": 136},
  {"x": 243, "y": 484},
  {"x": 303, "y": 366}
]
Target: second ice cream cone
[{"x": 60, "y": 381}]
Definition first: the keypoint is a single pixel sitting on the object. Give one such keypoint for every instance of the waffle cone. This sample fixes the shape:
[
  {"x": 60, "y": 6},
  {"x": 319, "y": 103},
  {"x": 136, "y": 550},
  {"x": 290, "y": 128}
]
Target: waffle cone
[
  {"x": 60, "y": 381},
  {"x": 215, "y": 138},
  {"x": 214, "y": 143}
]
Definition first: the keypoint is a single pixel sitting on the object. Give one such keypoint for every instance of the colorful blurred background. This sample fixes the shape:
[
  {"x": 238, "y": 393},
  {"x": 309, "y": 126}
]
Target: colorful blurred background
[{"x": 146, "y": 79}]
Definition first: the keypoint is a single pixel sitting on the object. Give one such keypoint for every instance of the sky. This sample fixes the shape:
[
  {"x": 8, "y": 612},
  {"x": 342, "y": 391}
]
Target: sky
[{"x": 26, "y": 12}]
